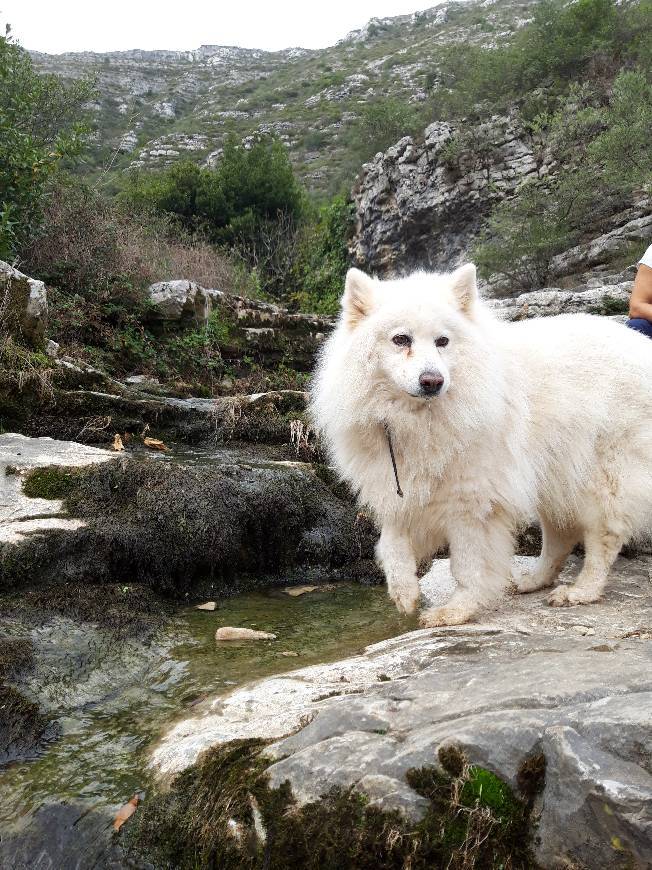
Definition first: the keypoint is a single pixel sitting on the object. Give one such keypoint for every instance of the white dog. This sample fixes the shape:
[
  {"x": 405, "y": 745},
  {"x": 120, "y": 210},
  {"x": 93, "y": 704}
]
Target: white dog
[{"x": 454, "y": 427}]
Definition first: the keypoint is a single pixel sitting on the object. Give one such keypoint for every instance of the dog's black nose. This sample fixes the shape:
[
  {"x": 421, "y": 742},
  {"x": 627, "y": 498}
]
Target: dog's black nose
[{"x": 430, "y": 383}]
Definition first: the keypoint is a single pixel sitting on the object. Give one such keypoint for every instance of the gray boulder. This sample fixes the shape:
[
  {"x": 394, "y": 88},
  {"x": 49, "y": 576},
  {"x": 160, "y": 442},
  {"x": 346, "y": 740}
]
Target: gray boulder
[
  {"x": 606, "y": 299},
  {"x": 179, "y": 301},
  {"x": 570, "y": 686},
  {"x": 23, "y": 306}
]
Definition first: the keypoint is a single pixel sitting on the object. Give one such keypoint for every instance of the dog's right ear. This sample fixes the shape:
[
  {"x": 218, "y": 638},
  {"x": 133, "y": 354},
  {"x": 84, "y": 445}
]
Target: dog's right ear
[{"x": 358, "y": 296}]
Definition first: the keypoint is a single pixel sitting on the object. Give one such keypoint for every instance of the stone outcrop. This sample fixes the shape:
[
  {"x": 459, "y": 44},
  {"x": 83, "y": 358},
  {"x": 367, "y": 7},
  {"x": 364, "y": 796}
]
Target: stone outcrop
[
  {"x": 420, "y": 203},
  {"x": 247, "y": 519},
  {"x": 265, "y": 331},
  {"x": 573, "y": 686},
  {"x": 179, "y": 302},
  {"x": 610, "y": 298},
  {"x": 23, "y": 306}
]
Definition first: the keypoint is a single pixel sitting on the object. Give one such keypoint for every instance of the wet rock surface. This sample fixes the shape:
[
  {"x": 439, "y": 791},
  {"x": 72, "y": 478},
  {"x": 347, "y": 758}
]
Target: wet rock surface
[
  {"x": 574, "y": 685},
  {"x": 230, "y": 524}
]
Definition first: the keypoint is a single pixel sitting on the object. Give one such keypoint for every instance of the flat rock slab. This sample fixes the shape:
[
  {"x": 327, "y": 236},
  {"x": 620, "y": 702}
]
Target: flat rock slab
[
  {"x": 525, "y": 682},
  {"x": 20, "y": 515}
]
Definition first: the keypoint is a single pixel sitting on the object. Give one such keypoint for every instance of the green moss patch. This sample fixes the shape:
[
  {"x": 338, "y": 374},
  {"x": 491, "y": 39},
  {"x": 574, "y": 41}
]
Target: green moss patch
[
  {"x": 53, "y": 482},
  {"x": 221, "y": 813}
]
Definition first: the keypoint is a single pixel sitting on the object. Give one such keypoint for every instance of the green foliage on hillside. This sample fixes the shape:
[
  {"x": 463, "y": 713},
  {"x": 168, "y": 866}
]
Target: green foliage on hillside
[
  {"x": 41, "y": 124},
  {"x": 322, "y": 258},
  {"x": 253, "y": 204},
  {"x": 248, "y": 186},
  {"x": 564, "y": 43},
  {"x": 604, "y": 154}
]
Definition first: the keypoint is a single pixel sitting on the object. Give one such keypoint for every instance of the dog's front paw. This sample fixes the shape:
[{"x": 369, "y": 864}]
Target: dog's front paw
[
  {"x": 405, "y": 596},
  {"x": 450, "y": 614},
  {"x": 568, "y": 596}
]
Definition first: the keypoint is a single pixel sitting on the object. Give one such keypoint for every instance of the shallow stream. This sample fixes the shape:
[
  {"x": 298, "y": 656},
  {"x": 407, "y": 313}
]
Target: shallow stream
[{"x": 113, "y": 699}]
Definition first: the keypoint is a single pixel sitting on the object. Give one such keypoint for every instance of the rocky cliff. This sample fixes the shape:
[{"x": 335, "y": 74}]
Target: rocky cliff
[{"x": 422, "y": 203}]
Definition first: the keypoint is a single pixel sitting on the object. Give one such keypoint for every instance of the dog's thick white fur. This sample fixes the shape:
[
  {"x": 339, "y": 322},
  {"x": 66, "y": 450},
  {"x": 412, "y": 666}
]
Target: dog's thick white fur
[{"x": 548, "y": 418}]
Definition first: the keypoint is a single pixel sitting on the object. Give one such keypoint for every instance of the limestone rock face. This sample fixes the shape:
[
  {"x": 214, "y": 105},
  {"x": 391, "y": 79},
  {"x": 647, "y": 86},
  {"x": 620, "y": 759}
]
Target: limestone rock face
[
  {"x": 611, "y": 299},
  {"x": 420, "y": 204},
  {"x": 573, "y": 685},
  {"x": 268, "y": 332},
  {"x": 23, "y": 305},
  {"x": 178, "y": 301}
]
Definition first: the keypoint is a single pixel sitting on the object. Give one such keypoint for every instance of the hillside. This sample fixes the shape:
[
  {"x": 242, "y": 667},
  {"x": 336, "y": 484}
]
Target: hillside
[{"x": 156, "y": 107}]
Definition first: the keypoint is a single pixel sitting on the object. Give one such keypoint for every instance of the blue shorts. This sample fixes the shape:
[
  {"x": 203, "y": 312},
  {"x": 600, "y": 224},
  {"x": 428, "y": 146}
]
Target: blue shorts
[{"x": 641, "y": 325}]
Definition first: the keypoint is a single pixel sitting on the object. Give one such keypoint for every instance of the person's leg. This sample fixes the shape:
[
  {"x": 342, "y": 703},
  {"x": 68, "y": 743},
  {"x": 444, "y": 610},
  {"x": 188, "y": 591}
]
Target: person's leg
[{"x": 640, "y": 325}]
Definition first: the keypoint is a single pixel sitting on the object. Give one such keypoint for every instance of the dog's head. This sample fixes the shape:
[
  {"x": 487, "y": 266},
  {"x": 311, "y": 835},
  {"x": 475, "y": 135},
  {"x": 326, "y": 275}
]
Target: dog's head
[{"x": 413, "y": 329}]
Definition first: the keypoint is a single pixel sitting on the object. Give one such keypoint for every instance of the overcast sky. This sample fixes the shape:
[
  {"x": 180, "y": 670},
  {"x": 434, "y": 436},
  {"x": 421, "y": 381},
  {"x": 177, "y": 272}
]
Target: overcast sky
[{"x": 71, "y": 25}]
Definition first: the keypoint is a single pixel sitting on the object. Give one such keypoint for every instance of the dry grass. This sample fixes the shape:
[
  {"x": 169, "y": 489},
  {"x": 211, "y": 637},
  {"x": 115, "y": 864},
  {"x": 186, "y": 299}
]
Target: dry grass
[{"x": 89, "y": 243}]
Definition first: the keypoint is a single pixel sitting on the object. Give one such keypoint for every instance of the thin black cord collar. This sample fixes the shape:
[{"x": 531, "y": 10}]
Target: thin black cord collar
[{"x": 399, "y": 491}]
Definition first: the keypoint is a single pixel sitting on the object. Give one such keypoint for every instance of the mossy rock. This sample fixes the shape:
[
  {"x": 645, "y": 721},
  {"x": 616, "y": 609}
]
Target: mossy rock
[
  {"x": 22, "y": 725},
  {"x": 51, "y": 482},
  {"x": 221, "y": 813}
]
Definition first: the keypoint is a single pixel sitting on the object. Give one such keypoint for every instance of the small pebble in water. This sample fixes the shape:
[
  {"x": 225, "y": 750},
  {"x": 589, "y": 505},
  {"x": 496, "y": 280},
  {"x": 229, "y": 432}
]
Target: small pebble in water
[
  {"x": 289, "y": 653},
  {"x": 207, "y": 605}
]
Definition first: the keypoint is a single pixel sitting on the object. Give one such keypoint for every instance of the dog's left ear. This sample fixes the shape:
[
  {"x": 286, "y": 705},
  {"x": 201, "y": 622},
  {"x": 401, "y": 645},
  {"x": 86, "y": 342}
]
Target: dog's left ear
[{"x": 464, "y": 287}]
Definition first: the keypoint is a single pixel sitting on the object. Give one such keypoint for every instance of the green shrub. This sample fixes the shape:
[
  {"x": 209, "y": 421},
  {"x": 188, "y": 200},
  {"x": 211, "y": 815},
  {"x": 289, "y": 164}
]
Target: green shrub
[
  {"x": 382, "y": 123},
  {"x": 323, "y": 258},
  {"x": 248, "y": 186},
  {"x": 604, "y": 152},
  {"x": 565, "y": 42},
  {"x": 40, "y": 126}
]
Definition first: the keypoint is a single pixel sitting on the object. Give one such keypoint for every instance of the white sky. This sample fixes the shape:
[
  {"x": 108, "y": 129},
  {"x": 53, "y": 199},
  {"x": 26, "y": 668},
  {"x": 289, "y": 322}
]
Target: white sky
[{"x": 77, "y": 25}]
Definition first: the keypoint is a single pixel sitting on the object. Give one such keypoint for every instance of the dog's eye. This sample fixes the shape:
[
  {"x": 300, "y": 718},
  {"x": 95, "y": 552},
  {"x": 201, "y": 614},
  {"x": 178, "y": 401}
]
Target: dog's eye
[
  {"x": 402, "y": 340},
  {"x": 442, "y": 341}
]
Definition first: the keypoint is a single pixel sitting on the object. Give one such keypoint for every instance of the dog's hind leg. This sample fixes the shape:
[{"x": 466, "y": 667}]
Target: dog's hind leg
[
  {"x": 394, "y": 552},
  {"x": 602, "y": 545},
  {"x": 481, "y": 556},
  {"x": 557, "y": 544}
]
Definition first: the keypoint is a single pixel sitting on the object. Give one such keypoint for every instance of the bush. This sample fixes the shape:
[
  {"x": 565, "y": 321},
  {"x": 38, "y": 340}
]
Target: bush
[
  {"x": 248, "y": 186},
  {"x": 40, "y": 126},
  {"x": 98, "y": 258},
  {"x": 565, "y": 42},
  {"x": 382, "y": 123},
  {"x": 89, "y": 244},
  {"x": 603, "y": 152},
  {"x": 323, "y": 257},
  {"x": 250, "y": 202}
]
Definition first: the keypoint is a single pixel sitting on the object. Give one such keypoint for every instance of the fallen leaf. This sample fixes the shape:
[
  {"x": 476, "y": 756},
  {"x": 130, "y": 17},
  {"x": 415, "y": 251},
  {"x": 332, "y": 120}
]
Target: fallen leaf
[
  {"x": 231, "y": 633},
  {"x": 207, "y": 605},
  {"x": 125, "y": 812},
  {"x": 289, "y": 653},
  {"x": 117, "y": 442},
  {"x": 155, "y": 444}
]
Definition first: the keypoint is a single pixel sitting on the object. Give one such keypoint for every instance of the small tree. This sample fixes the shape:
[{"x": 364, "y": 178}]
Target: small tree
[{"x": 40, "y": 126}]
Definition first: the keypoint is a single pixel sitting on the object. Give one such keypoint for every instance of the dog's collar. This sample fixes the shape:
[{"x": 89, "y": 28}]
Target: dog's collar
[{"x": 388, "y": 435}]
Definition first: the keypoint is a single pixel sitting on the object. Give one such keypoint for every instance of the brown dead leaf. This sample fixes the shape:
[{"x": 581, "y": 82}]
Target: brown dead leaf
[
  {"x": 125, "y": 812},
  {"x": 155, "y": 444},
  {"x": 117, "y": 442}
]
